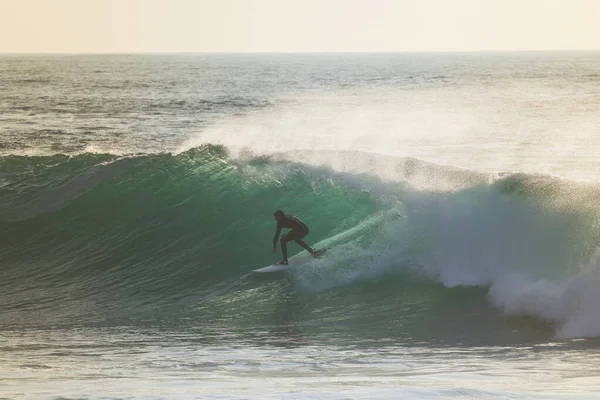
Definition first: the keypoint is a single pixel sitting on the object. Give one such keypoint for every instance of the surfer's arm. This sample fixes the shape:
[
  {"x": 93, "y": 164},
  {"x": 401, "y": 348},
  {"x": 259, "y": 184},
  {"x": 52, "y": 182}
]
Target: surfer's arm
[{"x": 276, "y": 235}]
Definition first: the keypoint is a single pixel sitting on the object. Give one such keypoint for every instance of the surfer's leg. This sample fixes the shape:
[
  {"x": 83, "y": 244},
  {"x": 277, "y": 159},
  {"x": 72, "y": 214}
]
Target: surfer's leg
[
  {"x": 298, "y": 239},
  {"x": 283, "y": 241},
  {"x": 305, "y": 246}
]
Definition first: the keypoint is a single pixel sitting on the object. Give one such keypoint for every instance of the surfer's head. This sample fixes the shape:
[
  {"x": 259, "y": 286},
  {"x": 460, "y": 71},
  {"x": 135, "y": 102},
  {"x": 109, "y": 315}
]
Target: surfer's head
[{"x": 278, "y": 214}]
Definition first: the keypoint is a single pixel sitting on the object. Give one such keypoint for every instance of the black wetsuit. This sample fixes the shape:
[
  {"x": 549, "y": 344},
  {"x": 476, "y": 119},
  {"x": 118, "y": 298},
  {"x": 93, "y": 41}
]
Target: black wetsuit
[{"x": 298, "y": 231}]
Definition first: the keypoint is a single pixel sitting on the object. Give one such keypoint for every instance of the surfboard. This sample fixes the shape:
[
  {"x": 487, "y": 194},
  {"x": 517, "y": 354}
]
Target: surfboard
[{"x": 294, "y": 261}]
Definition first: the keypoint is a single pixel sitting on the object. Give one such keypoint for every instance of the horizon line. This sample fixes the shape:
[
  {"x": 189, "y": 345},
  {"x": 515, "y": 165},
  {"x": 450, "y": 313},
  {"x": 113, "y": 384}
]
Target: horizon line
[{"x": 307, "y": 52}]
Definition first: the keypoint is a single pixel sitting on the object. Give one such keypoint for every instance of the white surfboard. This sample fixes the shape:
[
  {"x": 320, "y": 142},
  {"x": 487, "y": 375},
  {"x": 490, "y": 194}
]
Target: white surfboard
[{"x": 294, "y": 261}]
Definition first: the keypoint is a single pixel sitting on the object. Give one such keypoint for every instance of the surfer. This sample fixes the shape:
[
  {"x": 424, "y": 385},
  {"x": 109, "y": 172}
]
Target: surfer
[{"x": 298, "y": 231}]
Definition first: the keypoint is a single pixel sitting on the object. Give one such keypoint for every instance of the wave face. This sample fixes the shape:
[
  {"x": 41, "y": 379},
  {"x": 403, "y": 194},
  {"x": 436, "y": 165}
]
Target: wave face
[{"x": 104, "y": 239}]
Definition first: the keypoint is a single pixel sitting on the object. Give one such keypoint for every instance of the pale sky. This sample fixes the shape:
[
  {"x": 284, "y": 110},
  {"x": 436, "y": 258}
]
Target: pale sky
[{"x": 131, "y": 26}]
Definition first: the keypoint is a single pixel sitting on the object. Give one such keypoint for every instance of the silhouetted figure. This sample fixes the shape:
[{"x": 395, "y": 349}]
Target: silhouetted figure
[{"x": 298, "y": 231}]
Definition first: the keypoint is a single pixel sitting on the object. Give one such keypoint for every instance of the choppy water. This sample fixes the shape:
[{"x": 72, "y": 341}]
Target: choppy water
[{"x": 458, "y": 195}]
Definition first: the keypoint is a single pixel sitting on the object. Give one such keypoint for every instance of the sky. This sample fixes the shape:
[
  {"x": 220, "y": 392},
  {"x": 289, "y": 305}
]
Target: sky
[{"x": 164, "y": 26}]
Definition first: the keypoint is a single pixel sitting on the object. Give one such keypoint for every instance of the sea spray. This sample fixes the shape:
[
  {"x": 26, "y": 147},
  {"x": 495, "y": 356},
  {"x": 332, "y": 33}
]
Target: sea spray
[{"x": 571, "y": 304}]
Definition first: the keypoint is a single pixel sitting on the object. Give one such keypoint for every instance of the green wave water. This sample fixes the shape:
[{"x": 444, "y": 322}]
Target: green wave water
[{"x": 172, "y": 238}]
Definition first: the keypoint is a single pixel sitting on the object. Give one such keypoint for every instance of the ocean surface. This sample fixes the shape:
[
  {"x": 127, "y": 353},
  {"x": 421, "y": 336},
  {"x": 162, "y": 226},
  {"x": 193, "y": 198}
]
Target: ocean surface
[{"x": 458, "y": 195}]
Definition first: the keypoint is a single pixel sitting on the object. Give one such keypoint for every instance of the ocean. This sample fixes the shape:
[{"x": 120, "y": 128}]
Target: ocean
[{"x": 458, "y": 195}]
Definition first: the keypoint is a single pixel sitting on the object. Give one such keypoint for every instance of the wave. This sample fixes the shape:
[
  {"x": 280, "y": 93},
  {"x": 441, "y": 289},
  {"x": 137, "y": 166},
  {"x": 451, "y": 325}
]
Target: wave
[{"x": 97, "y": 237}]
